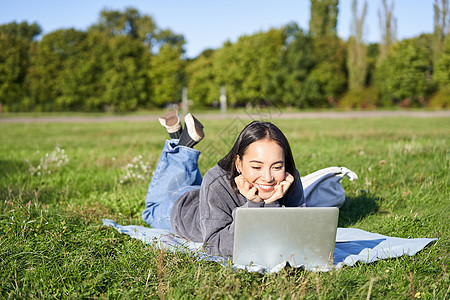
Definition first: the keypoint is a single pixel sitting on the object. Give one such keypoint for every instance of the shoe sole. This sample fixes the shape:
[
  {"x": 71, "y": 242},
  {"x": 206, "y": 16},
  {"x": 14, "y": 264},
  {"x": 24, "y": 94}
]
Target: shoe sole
[{"x": 194, "y": 127}]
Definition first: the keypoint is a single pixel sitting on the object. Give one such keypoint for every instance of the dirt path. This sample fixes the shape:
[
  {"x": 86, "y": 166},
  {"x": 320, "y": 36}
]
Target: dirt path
[{"x": 254, "y": 115}]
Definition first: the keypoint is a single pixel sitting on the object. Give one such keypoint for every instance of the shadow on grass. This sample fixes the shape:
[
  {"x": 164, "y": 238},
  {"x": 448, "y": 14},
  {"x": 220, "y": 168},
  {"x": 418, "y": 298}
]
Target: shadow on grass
[{"x": 357, "y": 208}]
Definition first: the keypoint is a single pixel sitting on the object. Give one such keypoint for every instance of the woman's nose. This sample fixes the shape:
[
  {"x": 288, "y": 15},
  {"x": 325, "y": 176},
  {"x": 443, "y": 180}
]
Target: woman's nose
[{"x": 268, "y": 175}]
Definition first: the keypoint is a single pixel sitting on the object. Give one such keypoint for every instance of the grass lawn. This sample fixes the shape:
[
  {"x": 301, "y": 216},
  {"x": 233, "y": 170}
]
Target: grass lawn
[{"x": 59, "y": 180}]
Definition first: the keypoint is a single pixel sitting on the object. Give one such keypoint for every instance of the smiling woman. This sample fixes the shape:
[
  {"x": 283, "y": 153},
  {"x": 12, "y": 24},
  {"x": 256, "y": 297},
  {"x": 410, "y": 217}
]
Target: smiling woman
[
  {"x": 263, "y": 163},
  {"x": 259, "y": 171},
  {"x": 263, "y": 174}
]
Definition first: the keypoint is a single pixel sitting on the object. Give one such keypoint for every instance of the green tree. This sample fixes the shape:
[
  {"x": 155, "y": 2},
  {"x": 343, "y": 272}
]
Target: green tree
[
  {"x": 16, "y": 41},
  {"x": 124, "y": 79},
  {"x": 358, "y": 94},
  {"x": 246, "y": 67},
  {"x": 296, "y": 61},
  {"x": 91, "y": 67},
  {"x": 441, "y": 28},
  {"x": 388, "y": 27},
  {"x": 108, "y": 67},
  {"x": 405, "y": 74},
  {"x": 145, "y": 77},
  {"x": 166, "y": 75},
  {"x": 52, "y": 69},
  {"x": 201, "y": 79},
  {"x": 357, "y": 50},
  {"x": 442, "y": 76},
  {"x": 140, "y": 78},
  {"x": 373, "y": 53},
  {"x": 136, "y": 26},
  {"x": 442, "y": 70},
  {"x": 327, "y": 80},
  {"x": 323, "y": 18},
  {"x": 129, "y": 23},
  {"x": 74, "y": 70},
  {"x": 23, "y": 30}
]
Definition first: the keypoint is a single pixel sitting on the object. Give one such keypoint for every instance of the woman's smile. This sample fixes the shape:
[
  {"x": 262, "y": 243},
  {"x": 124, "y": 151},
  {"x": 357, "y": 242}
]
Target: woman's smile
[{"x": 264, "y": 187}]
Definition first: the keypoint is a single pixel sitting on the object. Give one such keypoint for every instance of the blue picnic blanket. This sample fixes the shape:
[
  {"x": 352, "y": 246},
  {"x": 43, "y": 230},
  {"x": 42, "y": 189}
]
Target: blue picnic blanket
[{"x": 352, "y": 245}]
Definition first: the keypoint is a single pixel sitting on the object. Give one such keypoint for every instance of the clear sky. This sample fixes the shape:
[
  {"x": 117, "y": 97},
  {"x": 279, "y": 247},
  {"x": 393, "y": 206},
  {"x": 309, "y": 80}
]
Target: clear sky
[{"x": 209, "y": 23}]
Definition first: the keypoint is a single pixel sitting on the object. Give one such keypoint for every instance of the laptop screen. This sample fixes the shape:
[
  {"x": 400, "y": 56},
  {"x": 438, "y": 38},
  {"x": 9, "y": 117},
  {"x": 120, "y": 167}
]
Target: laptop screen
[{"x": 300, "y": 236}]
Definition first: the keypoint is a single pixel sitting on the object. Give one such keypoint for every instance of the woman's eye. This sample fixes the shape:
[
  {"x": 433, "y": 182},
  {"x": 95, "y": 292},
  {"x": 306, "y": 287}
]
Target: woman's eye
[
  {"x": 278, "y": 168},
  {"x": 256, "y": 168}
]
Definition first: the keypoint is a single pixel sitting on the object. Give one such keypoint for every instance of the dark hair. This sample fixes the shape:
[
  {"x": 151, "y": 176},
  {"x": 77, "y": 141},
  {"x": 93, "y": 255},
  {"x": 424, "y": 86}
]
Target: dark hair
[{"x": 253, "y": 132}]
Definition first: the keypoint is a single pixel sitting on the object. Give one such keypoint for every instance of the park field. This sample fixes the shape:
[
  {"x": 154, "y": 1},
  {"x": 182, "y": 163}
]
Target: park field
[{"x": 59, "y": 180}]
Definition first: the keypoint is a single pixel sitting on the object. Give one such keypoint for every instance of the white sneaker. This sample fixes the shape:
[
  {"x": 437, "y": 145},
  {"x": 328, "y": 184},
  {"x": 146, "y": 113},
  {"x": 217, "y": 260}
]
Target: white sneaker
[{"x": 171, "y": 121}]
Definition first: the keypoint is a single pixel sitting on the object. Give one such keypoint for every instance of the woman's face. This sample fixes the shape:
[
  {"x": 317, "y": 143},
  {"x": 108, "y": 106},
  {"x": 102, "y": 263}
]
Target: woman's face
[{"x": 263, "y": 166}]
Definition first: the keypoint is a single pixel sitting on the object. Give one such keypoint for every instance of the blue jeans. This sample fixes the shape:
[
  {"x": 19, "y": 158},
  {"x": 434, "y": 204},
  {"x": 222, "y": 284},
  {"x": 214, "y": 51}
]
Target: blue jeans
[{"x": 176, "y": 173}]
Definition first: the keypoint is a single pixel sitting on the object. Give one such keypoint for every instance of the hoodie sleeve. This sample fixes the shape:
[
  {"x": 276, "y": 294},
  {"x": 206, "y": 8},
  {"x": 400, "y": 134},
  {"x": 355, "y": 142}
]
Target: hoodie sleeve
[
  {"x": 217, "y": 211},
  {"x": 296, "y": 198},
  {"x": 217, "y": 207}
]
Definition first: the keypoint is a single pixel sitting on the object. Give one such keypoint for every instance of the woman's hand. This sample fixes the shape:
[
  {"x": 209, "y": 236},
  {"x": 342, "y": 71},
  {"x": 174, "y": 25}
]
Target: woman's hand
[
  {"x": 281, "y": 188},
  {"x": 250, "y": 192},
  {"x": 247, "y": 189}
]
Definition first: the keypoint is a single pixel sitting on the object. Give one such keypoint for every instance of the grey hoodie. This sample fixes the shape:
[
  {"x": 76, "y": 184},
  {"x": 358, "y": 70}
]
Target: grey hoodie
[{"x": 207, "y": 214}]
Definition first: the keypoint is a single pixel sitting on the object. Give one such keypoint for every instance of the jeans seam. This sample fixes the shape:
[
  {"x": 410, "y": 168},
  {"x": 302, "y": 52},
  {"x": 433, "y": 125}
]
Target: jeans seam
[{"x": 185, "y": 148}]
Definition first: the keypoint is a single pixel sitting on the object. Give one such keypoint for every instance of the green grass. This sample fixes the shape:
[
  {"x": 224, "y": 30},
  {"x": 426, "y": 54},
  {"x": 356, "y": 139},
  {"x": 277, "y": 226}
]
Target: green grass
[{"x": 53, "y": 244}]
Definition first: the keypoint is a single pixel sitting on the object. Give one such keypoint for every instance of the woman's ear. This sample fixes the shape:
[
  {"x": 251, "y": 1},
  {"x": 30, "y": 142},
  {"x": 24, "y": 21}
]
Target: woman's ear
[{"x": 238, "y": 164}]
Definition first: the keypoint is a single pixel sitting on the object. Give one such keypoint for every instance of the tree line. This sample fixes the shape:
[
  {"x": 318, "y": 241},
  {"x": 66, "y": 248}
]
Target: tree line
[{"x": 126, "y": 62}]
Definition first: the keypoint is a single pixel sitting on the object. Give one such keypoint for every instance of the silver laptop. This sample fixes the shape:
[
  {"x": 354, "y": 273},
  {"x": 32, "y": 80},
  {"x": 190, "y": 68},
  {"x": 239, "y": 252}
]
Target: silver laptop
[{"x": 301, "y": 236}]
